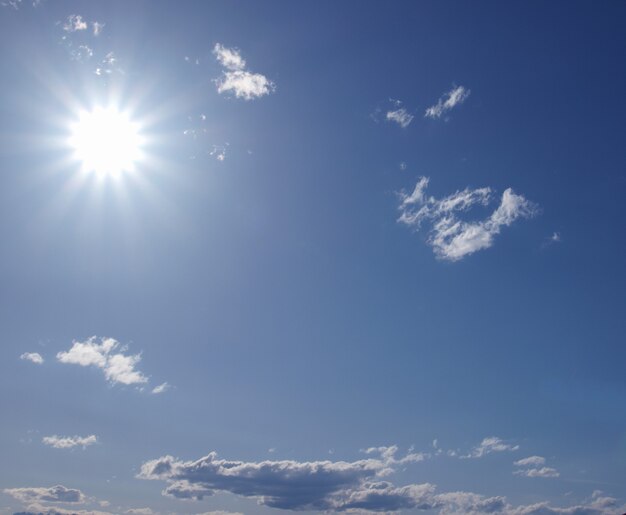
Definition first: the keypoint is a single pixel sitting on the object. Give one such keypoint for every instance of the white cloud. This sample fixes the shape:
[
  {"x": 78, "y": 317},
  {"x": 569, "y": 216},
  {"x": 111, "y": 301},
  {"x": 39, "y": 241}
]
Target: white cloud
[
  {"x": 229, "y": 57},
  {"x": 531, "y": 461},
  {"x": 400, "y": 116},
  {"x": 538, "y": 472},
  {"x": 140, "y": 511},
  {"x": 534, "y": 467},
  {"x": 243, "y": 83},
  {"x": 288, "y": 484},
  {"x": 490, "y": 445},
  {"x": 40, "y": 509},
  {"x": 452, "y": 98},
  {"x": 58, "y": 493},
  {"x": 35, "y": 357},
  {"x": 107, "y": 65},
  {"x": 117, "y": 367},
  {"x": 74, "y": 22},
  {"x": 68, "y": 442},
  {"x": 340, "y": 486},
  {"x": 452, "y": 238},
  {"x": 97, "y": 27},
  {"x": 163, "y": 387}
]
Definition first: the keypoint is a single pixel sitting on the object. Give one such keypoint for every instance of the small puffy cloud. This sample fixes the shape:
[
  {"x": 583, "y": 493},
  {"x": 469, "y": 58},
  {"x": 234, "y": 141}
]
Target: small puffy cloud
[
  {"x": 400, "y": 116},
  {"x": 74, "y": 22},
  {"x": 81, "y": 53},
  {"x": 108, "y": 355},
  {"x": 452, "y": 98},
  {"x": 34, "y": 357},
  {"x": 490, "y": 445},
  {"x": 244, "y": 84},
  {"x": 236, "y": 79},
  {"x": 97, "y": 27},
  {"x": 229, "y": 57},
  {"x": 163, "y": 387},
  {"x": 451, "y": 237},
  {"x": 55, "y": 494},
  {"x": 140, "y": 511},
  {"x": 69, "y": 442}
]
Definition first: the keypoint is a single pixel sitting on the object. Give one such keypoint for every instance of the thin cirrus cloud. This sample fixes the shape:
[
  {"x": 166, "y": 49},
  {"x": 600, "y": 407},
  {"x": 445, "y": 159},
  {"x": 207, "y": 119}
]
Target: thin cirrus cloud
[
  {"x": 33, "y": 357},
  {"x": 534, "y": 466},
  {"x": 340, "y": 486},
  {"x": 69, "y": 442},
  {"x": 450, "y": 237},
  {"x": 107, "y": 355},
  {"x": 456, "y": 96},
  {"x": 236, "y": 79}
]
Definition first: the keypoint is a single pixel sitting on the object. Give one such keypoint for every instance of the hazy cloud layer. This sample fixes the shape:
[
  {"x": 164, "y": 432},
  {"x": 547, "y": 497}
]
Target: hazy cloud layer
[
  {"x": 108, "y": 356},
  {"x": 236, "y": 79},
  {"x": 448, "y": 101},
  {"x": 69, "y": 442},
  {"x": 452, "y": 238}
]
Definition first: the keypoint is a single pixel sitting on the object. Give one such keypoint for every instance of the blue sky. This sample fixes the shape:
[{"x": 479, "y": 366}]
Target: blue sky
[{"x": 368, "y": 257}]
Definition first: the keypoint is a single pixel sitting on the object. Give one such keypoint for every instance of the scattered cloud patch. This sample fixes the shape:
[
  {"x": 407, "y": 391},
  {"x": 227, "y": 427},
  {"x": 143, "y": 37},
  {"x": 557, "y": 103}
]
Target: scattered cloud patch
[
  {"x": 107, "y": 65},
  {"x": 81, "y": 53},
  {"x": 219, "y": 152},
  {"x": 163, "y": 387},
  {"x": 531, "y": 461},
  {"x": 236, "y": 79},
  {"x": 107, "y": 355},
  {"x": 69, "y": 442},
  {"x": 456, "y": 96},
  {"x": 452, "y": 238},
  {"x": 74, "y": 23},
  {"x": 59, "y": 493},
  {"x": 402, "y": 166},
  {"x": 33, "y": 357}
]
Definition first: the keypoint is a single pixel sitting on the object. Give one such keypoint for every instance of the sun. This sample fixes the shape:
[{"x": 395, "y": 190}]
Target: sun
[{"x": 106, "y": 141}]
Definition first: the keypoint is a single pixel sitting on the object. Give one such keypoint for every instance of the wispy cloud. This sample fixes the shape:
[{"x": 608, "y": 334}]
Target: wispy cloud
[
  {"x": 34, "y": 357},
  {"x": 163, "y": 387},
  {"x": 452, "y": 98},
  {"x": 236, "y": 79},
  {"x": 490, "y": 445},
  {"x": 452, "y": 238},
  {"x": 59, "y": 493},
  {"x": 108, "y": 356},
  {"x": 97, "y": 27},
  {"x": 69, "y": 442},
  {"x": 74, "y": 23},
  {"x": 400, "y": 116}
]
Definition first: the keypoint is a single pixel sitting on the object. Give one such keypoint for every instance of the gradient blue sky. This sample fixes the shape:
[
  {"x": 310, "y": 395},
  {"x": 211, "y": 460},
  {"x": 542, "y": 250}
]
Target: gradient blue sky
[{"x": 272, "y": 262}]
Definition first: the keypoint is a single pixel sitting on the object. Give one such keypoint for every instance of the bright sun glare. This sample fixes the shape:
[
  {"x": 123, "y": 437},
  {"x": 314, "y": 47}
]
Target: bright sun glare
[{"x": 106, "y": 141}]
